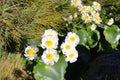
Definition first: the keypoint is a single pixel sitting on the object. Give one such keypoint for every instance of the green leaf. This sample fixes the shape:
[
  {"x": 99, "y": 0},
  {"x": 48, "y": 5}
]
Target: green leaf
[
  {"x": 50, "y": 72},
  {"x": 93, "y": 38},
  {"x": 111, "y": 34},
  {"x": 83, "y": 36}
]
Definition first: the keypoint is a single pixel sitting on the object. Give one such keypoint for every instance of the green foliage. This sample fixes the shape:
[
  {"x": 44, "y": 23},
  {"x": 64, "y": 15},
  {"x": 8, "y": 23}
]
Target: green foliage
[
  {"x": 83, "y": 36},
  {"x": 88, "y": 38},
  {"x": 50, "y": 72},
  {"x": 94, "y": 38},
  {"x": 112, "y": 35}
]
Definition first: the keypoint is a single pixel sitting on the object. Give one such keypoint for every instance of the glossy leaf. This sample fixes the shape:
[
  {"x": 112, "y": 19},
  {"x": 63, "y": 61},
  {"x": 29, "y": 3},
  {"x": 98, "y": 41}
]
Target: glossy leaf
[
  {"x": 93, "y": 38},
  {"x": 50, "y": 72},
  {"x": 111, "y": 34},
  {"x": 83, "y": 36}
]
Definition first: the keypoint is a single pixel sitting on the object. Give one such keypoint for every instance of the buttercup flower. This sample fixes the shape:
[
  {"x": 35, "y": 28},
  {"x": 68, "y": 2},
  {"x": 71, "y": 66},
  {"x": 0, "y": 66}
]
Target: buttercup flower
[
  {"x": 97, "y": 20},
  {"x": 49, "y": 42},
  {"x": 90, "y": 9},
  {"x": 110, "y": 22},
  {"x": 83, "y": 9},
  {"x": 50, "y": 56},
  {"x": 73, "y": 38},
  {"x": 75, "y": 15},
  {"x": 30, "y": 52},
  {"x": 95, "y": 14},
  {"x": 86, "y": 17},
  {"x": 67, "y": 47},
  {"x": 96, "y": 6},
  {"x": 68, "y": 17},
  {"x": 93, "y": 27},
  {"x": 75, "y": 3},
  {"x": 50, "y": 33},
  {"x": 72, "y": 56}
]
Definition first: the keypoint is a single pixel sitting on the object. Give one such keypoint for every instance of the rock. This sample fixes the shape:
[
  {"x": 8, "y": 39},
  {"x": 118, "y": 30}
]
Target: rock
[{"x": 105, "y": 67}]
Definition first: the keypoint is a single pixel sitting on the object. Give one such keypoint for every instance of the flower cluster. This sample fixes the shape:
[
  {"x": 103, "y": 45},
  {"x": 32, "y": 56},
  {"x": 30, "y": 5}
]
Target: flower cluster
[
  {"x": 50, "y": 46},
  {"x": 89, "y": 14},
  {"x": 68, "y": 47},
  {"x": 50, "y": 43}
]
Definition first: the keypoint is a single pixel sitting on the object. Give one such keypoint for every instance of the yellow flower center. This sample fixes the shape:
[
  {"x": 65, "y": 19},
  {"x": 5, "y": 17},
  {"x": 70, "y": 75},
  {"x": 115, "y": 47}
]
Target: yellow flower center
[
  {"x": 72, "y": 38},
  {"x": 95, "y": 14},
  {"x": 96, "y": 6},
  {"x": 83, "y": 9},
  {"x": 97, "y": 19},
  {"x": 90, "y": 9},
  {"x": 50, "y": 56},
  {"x": 50, "y": 35},
  {"x": 86, "y": 18},
  {"x": 68, "y": 47},
  {"x": 110, "y": 21},
  {"x": 68, "y": 17},
  {"x": 31, "y": 52},
  {"x": 76, "y": 2},
  {"x": 49, "y": 43},
  {"x": 71, "y": 55},
  {"x": 93, "y": 27}
]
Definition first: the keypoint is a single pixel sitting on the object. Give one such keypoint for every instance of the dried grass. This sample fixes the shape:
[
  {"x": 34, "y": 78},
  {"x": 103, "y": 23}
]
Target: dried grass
[{"x": 11, "y": 67}]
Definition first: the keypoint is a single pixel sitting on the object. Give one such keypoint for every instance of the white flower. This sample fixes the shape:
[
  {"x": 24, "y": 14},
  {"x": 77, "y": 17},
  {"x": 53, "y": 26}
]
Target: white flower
[
  {"x": 67, "y": 47},
  {"x": 68, "y": 17},
  {"x": 96, "y": 6},
  {"x": 95, "y": 14},
  {"x": 30, "y": 52},
  {"x": 75, "y": 3},
  {"x": 93, "y": 27},
  {"x": 90, "y": 9},
  {"x": 75, "y": 15},
  {"x": 73, "y": 38},
  {"x": 86, "y": 17},
  {"x": 49, "y": 42},
  {"x": 83, "y": 9},
  {"x": 72, "y": 56},
  {"x": 97, "y": 20},
  {"x": 110, "y": 22},
  {"x": 50, "y": 33},
  {"x": 50, "y": 56}
]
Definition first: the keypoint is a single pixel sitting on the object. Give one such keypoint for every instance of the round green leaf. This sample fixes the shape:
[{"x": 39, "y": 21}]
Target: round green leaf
[
  {"x": 83, "y": 36},
  {"x": 50, "y": 72},
  {"x": 93, "y": 38},
  {"x": 111, "y": 34}
]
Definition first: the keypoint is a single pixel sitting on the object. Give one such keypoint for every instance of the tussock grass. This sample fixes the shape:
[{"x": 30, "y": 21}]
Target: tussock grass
[
  {"x": 12, "y": 67},
  {"x": 29, "y": 18}
]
